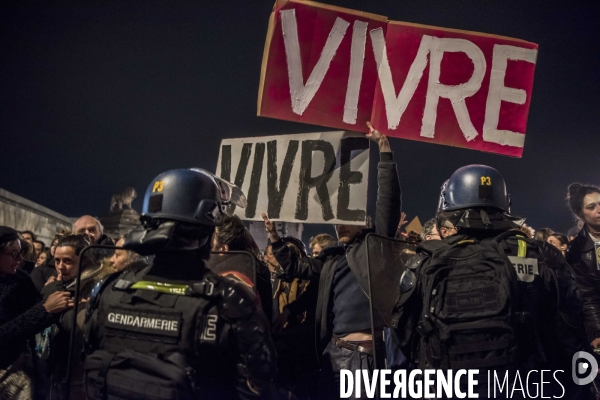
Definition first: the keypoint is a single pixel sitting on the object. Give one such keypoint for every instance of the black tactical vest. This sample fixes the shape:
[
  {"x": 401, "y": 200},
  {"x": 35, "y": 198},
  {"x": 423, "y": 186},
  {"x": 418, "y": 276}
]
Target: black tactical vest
[{"x": 158, "y": 340}]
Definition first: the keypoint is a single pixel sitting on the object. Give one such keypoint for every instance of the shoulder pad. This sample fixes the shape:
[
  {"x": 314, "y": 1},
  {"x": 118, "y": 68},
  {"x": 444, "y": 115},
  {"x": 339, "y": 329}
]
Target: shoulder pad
[
  {"x": 96, "y": 292},
  {"x": 238, "y": 299},
  {"x": 415, "y": 261},
  {"x": 407, "y": 281}
]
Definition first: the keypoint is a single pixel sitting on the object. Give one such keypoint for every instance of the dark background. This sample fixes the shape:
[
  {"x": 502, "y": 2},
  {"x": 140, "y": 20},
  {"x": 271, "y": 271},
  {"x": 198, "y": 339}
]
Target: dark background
[{"x": 95, "y": 97}]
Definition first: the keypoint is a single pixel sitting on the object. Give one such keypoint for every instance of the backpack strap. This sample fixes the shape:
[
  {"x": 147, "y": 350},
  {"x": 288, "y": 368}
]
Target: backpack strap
[{"x": 107, "y": 358}]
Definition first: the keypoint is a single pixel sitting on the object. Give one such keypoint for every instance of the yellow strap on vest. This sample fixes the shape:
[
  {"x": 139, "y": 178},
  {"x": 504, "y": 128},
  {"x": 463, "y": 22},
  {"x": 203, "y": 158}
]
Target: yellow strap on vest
[
  {"x": 522, "y": 252},
  {"x": 169, "y": 288}
]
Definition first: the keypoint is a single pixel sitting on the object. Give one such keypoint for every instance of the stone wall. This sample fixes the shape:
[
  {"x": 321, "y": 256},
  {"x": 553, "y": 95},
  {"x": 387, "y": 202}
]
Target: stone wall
[{"x": 25, "y": 215}]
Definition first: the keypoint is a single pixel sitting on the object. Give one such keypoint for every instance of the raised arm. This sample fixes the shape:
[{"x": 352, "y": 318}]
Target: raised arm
[
  {"x": 303, "y": 268},
  {"x": 389, "y": 203}
]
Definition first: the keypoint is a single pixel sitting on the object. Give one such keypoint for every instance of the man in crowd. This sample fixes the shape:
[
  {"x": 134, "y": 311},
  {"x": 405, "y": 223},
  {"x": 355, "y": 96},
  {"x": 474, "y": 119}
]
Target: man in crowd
[
  {"x": 321, "y": 241},
  {"x": 39, "y": 246},
  {"x": 232, "y": 235},
  {"x": 90, "y": 227},
  {"x": 343, "y": 322},
  {"x": 28, "y": 236},
  {"x": 431, "y": 232}
]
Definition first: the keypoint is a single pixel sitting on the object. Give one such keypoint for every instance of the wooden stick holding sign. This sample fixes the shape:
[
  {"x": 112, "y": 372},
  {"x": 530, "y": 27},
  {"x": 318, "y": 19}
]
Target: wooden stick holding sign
[{"x": 309, "y": 178}]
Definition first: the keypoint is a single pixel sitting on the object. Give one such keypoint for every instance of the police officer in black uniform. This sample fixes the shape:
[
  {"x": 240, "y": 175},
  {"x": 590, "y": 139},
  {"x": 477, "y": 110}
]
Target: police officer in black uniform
[
  {"x": 176, "y": 329},
  {"x": 476, "y": 202}
]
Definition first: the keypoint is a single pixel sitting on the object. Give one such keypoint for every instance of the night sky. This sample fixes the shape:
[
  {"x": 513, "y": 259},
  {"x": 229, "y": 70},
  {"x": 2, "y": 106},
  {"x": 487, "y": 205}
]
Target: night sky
[{"x": 95, "y": 97}]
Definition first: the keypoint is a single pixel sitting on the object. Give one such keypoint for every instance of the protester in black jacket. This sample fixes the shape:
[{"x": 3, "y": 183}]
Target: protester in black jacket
[
  {"x": 22, "y": 315},
  {"x": 582, "y": 254},
  {"x": 343, "y": 325}
]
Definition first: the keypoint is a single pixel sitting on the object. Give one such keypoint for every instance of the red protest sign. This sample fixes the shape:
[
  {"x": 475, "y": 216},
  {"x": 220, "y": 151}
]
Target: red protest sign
[
  {"x": 319, "y": 66},
  {"x": 453, "y": 87},
  {"x": 336, "y": 67}
]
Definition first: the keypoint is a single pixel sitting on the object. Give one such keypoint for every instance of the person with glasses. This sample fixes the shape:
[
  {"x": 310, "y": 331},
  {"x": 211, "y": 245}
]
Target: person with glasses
[{"x": 22, "y": 315}]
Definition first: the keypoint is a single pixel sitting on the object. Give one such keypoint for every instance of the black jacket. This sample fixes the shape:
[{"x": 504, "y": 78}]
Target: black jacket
[
  {"x": 387, "y": 217},
  {"x": 22, "y": 315},
  {"x": 40, "y": 275},
  {"x": 582, "y": 258}
]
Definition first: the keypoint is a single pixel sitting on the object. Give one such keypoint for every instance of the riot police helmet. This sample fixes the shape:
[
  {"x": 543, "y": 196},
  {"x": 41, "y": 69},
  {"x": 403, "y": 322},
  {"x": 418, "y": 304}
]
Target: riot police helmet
[
  {"x": 182, "y": 203},
  {"x": 192, "y": 196},
  {"x": 474, "y": 186}
]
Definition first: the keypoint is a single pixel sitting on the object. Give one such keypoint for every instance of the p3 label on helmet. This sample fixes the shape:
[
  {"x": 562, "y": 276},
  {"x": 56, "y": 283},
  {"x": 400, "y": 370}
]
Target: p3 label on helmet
[
  {"x": 158, "y": 186},
  {"x": 526, "y": 268}
]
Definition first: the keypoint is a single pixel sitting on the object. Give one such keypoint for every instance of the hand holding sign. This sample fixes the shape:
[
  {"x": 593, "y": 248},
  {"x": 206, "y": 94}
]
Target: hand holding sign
[
  {"x": 377, "y": 137},
  {"x": 270, "y": 228}
]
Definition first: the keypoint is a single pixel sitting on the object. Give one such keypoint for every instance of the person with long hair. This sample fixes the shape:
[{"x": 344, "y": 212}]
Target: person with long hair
[
  {"x": 583, "y": 253},
  {"x": 67, "y": 263},
  {"x": 560, "y": 241}
]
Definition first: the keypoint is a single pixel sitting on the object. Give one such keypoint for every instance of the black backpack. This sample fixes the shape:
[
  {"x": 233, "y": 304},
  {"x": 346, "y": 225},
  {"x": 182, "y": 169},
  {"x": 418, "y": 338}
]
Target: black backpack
[{"x": 470, "y": 306}]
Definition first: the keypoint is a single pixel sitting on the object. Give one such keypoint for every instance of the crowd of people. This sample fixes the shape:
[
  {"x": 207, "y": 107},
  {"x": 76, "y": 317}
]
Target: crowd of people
[{"x": 144, "y": 315}]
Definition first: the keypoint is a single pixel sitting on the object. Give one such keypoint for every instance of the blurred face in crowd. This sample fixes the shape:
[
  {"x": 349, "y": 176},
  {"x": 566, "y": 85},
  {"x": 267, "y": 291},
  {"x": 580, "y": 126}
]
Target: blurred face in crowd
[
  {"x": 38, "y": 248},
  {"x": 556, "y": 243},
  {"x": 119, "y": 259},
  {"x": 270, "y": 259},
  {"x": 66, "y": 262},
  {"x": 216, "y": 246},
  {"x": 27, "y": 237},
  {"x": 446, "y": 231},
  {"x": 591, "y": 210},
  {"x": 316, "y": 249},
  {"x": 348, "y": 233},
  {"x": 41, "y": 259},
  {"x": 89, "y": 226},
  {"x": 433, "y": 235},
  {"x": 53, "y": 247},
  {"x": 10, "y": 256}
]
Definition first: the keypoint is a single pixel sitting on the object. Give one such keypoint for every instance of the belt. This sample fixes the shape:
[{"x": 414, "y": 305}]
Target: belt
[{"x": 365, "y": 346}]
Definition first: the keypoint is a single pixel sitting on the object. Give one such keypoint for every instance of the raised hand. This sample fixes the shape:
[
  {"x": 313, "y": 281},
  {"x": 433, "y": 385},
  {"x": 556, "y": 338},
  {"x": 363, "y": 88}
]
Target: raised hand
[
  {"x": 376, "y": 136},
  {"x": 402, "y": 222},
  {"x": 270, "y": 228}
]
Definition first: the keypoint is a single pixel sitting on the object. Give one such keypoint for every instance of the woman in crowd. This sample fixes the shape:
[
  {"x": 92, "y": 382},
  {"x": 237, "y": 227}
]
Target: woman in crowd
[
  {"x": 42, "y": 259},
  {"x": 583, "y": 253},
  {"x": 22, "y": 315},
  {"x": 560, "y": 241},
  {"x": 42, "y": 273},
  {"x": 66, "y": 257},
  {"x": 543, "y": 234},
  {"x": 122, "y": 260}
]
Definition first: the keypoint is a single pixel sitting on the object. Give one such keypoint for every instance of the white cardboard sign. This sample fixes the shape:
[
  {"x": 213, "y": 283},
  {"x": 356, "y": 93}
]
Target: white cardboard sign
[{"x": 308, "y": 178}]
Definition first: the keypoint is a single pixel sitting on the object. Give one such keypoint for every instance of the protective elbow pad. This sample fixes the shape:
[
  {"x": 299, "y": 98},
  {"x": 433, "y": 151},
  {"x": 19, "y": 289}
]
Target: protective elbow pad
[{"x": 238, "y": 301}]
